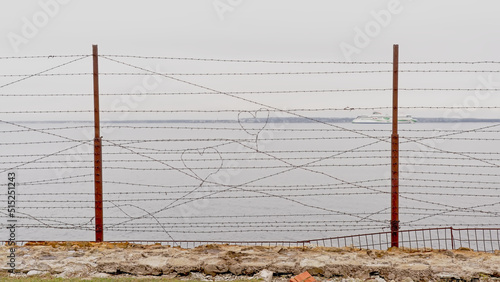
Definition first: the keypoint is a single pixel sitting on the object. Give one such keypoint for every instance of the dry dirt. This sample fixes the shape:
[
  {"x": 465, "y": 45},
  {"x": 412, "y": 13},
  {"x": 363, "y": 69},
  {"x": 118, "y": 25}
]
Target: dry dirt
[{"x": 223, "y": 262}]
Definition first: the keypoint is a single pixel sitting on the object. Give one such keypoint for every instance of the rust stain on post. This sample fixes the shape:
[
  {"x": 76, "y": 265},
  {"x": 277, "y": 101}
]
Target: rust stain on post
[
  {"x": 395, "y": 153},
  {"x": 99, "y": 236}
]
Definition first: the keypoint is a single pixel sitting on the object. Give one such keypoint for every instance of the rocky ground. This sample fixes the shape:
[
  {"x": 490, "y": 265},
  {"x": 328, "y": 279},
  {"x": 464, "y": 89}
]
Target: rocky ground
[{"x": 223, "y": 262}]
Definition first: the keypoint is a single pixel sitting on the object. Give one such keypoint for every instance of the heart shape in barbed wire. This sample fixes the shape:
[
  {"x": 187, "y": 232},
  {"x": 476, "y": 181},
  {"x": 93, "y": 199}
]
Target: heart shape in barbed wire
[
  {"x": 202, "y": 162},
  {"x": 253, "y": 122}
]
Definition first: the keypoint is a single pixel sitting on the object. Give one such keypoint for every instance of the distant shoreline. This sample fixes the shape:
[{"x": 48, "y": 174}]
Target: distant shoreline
[{"x": 264, "y": 120}]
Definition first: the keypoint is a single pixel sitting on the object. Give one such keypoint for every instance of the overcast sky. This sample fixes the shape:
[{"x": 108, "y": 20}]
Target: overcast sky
[{"x": 322, "y": 30}]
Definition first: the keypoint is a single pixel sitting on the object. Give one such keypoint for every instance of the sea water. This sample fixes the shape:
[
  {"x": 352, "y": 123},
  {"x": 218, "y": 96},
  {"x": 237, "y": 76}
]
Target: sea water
[{"x": 247, "y": 181}]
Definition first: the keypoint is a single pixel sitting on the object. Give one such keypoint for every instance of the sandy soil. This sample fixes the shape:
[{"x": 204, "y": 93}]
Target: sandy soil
[{"x": 222, "y": 262}]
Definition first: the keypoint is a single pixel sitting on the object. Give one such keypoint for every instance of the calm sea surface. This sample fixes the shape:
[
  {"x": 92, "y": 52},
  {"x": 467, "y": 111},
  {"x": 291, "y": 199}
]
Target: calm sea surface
[{"x": 248, "y": 181}]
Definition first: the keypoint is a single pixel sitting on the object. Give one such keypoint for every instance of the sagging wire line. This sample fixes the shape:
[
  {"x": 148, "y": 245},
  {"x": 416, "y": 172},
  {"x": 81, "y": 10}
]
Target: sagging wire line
[
  {"x": 252, "y": 148},
  {"x": 256, "y": 103},
  {"x": 261, "y": 188},
  {"x": 474, "y": 130},
  {"x": 435, "y": 209},
  {"x": 238, "y": 231},
  {"x": 229, "y": 187},
  {"x": 57, "y": 183},
  {"x": 291, "y": 91},
  {"x": 298, "y": 243},
  {"x": 39, "y": 131},
  {"x": 205, "y": 93},
  {"x": 47, "y": 112},
  {"x": 48, "y": 74},
  {"x": 229, "y": 216},
  {"x": 51, "y": 167},
  {"x": 214, "y": 159},
  {"x": 38, "y": 155},
  {"x": 46, "y": 94},
  {"x": 473, "y": 208},
  {"x": 206, "y": 74},
  {"x": 452, "y": 194},
  {"x": 224, "y": 128},
  {"x": 47, "y": 155},
  {"x": 450, "y": 71},
  {"x": 242, "y": 61},
  {"x": 451, "y": 187},
  {"x": 446, "y": 165},
  {"x": 241, "y": 228},
  {"x": 133, "y": 141},
  {"x": 47, "y": 129},
  {"x": 247, "y": 100},
  {"x": 248, "y": 223},
  {"x": 264, "y": 225},
  {"x": 465, "y": 152},
  {"x": 184, "y": 191},
  {"x": 153, "y": 151},
  {"x": 429, "y": 202},
  {"x": 458, "y": 224},
  {"x": 257, "y": 158},
  {"x": 450, "y": 62},
  {"x": 436, "y": 107},
  {"x": 303, "y": 166},
  {"x": 41, "y": 72},
  {"x": 308, "y": 186},
  {"x": 296, "y": 62},
  {"x": 41, "y": 57},
  {"x": 307, "y": 194},
  {"x": 379, "y": 212},
  {"x": 442, "y": 158},
  {"x": 241, "y": 98},
  {"x": 40, "y": 142},
  {"x": 447, "y": 89},
  {"x": 451, "y": 152},
  {"x": 247, "y": 92},
  {"x": 460, "y": 209},
  {"x": 452, "y": 181},
  {"x": 243, "y": 217},
  {"x": 451, "y": 173},
  {"x": 468, "y": 138},
  {"x": 244, "y": 110},
  {"x": 450, "y": 215},
  {"x": 34, "y": 182},
  {"x": 245, "y": 167},
  {"x": 418, "y": 141},
  {"x": 254, "y": 73},
  {"x": 149, "y": 214},
  {"x": 48, "y": 225},
  {"x": 247, "y": 140},
  {"x": 72, "y": 207}
]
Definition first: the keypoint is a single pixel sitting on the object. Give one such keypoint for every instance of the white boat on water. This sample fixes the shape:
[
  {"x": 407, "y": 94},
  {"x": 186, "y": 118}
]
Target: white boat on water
[{"x": 377, "y": 117}]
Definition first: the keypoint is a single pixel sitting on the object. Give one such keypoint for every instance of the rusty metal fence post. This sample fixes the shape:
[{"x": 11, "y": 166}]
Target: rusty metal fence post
[
  {"x": 395, "y": 153},
  {"x": 452, "y": 239},
  {"x": 99, "y": 236}
]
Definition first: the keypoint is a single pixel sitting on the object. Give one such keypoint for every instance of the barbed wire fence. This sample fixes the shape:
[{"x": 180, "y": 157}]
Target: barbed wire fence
[{"x": 232, "y": 153}]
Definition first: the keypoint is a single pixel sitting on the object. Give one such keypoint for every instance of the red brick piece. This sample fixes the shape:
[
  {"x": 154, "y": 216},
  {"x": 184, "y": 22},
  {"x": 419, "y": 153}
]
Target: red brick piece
[{"x": 303, "y": 277}]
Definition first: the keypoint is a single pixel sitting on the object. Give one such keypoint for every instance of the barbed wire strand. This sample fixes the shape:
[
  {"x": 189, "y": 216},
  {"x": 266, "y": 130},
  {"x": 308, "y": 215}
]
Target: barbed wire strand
[{"x": 41, "y": 72}]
